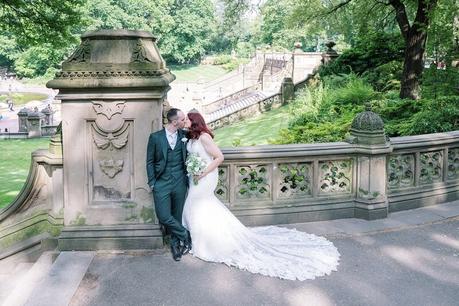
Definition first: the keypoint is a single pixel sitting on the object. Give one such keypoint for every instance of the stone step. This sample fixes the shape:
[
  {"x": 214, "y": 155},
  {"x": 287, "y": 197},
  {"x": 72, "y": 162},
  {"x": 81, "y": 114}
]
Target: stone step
[
  {"x": 62, "y": 280},
  {"x": 9, "y": 280},
  {"x": 30, "y": 279},
  {"x": 243, "y": 102}
]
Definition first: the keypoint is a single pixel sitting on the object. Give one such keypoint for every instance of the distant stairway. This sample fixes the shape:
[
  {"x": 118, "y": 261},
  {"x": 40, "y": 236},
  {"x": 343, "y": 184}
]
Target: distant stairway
[{"x": 233, "y": 106}]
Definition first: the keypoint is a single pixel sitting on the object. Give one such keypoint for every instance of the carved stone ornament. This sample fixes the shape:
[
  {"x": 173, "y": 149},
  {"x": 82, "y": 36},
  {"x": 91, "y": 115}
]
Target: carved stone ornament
[
  {"x": 367, "y": 121},
  {"x": 111, "y": 167},
  {"x": 109, "y": 117},
  {"x": 110, "y": 131},
  {"x": 139, "y": 55},
  {"x": 81, "y": 54},
  {"x": 116, "y": 139},
  {"x": 108, "y": 74},
  {"x": 108, "y": 109}
]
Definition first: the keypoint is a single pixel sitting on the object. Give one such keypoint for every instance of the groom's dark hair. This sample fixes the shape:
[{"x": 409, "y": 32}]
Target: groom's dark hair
[{"x": 172, "y": 114}]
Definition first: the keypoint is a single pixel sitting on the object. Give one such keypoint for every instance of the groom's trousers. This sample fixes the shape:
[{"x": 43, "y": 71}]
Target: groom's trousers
[{"x": 169, "y": 195}]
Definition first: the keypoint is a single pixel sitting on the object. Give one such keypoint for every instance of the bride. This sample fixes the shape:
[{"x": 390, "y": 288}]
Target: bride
[{"x": 218, "y": 236}]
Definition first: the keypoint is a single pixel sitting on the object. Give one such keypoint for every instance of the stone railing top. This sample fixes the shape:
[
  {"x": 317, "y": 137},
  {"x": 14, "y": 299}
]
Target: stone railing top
[
  {"x": 425, "y": 140},
  {"x": 300, "y": 150},
  {"x": 339, "y": 148}
]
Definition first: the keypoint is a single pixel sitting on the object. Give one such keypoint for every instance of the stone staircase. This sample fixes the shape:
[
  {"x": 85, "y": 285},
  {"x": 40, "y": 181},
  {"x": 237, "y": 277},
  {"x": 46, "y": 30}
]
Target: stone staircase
[
  {"x": 23, "y": 265},
  {"x": 247, "y": 100},
  {"x": 50, "y": 281}
]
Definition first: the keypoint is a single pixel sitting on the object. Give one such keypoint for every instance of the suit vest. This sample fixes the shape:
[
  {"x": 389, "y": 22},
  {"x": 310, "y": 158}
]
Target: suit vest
[{"x": 175, "y": 167}]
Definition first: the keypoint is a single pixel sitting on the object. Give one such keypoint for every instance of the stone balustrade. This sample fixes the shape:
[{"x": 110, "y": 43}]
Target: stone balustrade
[{"x": 423, "y": 169}]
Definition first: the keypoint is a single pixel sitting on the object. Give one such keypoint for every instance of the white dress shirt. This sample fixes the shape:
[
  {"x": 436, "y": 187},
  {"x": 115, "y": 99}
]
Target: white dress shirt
[{"x": 171, "y": 138}]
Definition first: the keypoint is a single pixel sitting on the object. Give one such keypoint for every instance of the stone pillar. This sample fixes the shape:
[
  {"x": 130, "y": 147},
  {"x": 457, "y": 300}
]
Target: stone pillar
[
  {"x": 330, "y": 54},
  {"x": 48, "y": 112},
  {"x": 34, "y": 121},
  {"x": 287, "y": 90},
  {"x": 367, "y": 134},
  {"x": 22, "y": 119},
  {"x": 112, "y": 90}
]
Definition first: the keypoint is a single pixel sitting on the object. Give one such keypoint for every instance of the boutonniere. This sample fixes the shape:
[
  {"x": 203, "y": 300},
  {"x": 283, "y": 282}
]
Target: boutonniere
[{"x": 184, "y": 139}]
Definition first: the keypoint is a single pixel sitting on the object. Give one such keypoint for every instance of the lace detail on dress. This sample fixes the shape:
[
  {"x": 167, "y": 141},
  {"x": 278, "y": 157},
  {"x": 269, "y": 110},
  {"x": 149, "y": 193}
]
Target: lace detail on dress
[{"x": 218, "y": 236}]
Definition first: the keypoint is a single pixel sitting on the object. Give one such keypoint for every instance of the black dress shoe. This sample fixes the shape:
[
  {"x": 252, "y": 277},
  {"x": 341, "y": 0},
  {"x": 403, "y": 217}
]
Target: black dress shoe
[
  {"x": 176, "y": 252},
  {"x": 186, "y": 248}
]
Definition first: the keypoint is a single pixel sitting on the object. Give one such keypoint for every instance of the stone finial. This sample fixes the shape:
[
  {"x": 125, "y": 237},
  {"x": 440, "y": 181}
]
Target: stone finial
[
  {"x": 330, "y": 46},
  {"x": 329, "y": 54},
  {"x": 367, "y": 128},
  {"x": 23, "y": 112},
  {"x": 367, "y": 121}
]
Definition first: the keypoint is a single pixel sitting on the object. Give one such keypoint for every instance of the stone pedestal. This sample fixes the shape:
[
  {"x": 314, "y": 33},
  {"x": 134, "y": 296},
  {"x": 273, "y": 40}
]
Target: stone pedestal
[
  {"x": 367, "y": 134},
  {"x": 34, "y": 121},
  {"x": 112, "y": 90},
  {"x": 22, "y": 119},
  {"x": 287, "y": 90},
  {"x": 48, "y": 113}
]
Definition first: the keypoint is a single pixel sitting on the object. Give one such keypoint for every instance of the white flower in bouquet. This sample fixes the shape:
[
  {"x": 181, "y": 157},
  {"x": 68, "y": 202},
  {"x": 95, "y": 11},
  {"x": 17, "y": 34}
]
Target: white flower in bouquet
[{"x": 195, "y": 166}]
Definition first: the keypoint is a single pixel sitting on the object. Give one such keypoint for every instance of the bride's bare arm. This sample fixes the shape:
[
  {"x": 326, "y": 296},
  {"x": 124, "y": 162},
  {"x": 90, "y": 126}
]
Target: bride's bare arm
[{"x": 213, "y": 150}]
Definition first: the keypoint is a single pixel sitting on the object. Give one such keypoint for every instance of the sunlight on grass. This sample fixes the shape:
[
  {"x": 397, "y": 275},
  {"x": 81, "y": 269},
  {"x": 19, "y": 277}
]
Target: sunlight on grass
[
  {"x": 254, "y": 131},
  {"x": 21, "y": 98},
  {"x": 191, "y": 73},
  {"x": 14, "y": 165}
]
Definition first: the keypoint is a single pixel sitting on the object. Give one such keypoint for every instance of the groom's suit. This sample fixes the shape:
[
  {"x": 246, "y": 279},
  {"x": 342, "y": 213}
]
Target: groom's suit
[{"x": 168, "y": 180}]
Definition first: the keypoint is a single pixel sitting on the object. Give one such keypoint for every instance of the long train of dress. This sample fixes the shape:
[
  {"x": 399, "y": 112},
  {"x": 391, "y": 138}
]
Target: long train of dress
[{"x": 218, "y": 236}]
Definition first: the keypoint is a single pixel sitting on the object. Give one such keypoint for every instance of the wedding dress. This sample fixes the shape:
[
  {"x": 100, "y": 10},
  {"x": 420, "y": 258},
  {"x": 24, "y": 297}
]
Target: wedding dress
[{"x": 218, "y": 236}]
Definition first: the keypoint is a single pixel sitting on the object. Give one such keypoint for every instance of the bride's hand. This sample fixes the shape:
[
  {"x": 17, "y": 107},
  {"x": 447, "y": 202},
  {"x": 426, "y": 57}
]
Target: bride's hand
[{"x": 196, "y": 178}]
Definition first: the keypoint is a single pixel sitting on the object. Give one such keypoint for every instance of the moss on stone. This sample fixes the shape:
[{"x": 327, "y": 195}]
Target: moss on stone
[
  {"x": 35, "y": 228},
  {"x": 147, "y": 214}
]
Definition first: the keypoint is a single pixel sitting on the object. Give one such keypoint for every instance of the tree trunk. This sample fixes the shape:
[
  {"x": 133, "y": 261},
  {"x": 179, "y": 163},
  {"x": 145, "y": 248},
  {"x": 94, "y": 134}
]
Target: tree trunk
[
  {"x": 415, "y": 37},
  {"x": 413, "y": 65}
]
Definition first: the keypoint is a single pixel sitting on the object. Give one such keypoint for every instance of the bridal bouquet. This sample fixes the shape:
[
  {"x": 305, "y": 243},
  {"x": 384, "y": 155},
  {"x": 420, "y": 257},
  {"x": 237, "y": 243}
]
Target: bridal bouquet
[{"x": 195, "y": 166}]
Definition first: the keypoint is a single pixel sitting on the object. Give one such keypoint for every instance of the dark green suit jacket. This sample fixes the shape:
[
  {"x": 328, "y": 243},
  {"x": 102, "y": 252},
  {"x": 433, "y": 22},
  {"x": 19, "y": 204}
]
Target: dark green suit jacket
[{"x": 157, "y": 153}]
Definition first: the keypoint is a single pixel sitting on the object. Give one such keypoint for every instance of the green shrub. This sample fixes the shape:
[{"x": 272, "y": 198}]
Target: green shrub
[
  {"x": 385, "y": 77},
  {"x": 439, "y": 82},
  {"x": 223, "y": 59},
  {"x": 322, "y": 113},
  {"x": 438, "y": 115}
]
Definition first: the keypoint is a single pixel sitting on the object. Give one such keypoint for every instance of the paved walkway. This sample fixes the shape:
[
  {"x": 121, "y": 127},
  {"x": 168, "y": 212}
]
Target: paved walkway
[
  {"x": 9, "y": 119},
  {"x": 410, "y": 258}
]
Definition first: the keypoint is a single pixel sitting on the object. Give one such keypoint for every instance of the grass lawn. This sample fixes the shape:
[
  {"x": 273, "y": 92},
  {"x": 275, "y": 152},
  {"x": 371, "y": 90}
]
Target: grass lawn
[
  {"x": 253, "y": 131},
  {"x": 15, "y": 158},
  {"x": 21, "y": 98},
  {"x": 191, "y": 73}
]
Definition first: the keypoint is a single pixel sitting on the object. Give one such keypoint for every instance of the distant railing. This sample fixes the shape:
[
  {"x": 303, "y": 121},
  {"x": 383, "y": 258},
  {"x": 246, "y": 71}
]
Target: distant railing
[
  {"x": 261, "y": 106},
  {"x": 18, "y": 135}
]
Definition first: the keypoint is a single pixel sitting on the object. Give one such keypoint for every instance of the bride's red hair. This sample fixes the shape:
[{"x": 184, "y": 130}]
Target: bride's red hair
[{"x": 198, "y": 126}]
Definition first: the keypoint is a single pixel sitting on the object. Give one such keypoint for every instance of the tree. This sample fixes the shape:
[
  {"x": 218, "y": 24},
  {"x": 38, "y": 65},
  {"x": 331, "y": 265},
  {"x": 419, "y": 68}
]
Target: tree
[
  {"x": 184, "y": 28},
  {"x": 415, "y": 36},
  {"x": 40, "y": 21},
  {"x": 412, "y": 18}
]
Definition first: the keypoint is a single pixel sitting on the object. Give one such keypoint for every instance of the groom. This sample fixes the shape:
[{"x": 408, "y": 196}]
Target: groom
[{"x": 166, "y": 155}]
